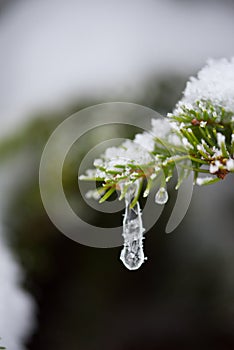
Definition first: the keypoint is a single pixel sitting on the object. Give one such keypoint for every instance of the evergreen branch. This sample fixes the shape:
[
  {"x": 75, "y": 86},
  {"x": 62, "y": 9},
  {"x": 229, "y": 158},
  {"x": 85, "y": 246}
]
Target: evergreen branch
[{"x": 197, "y": 137}]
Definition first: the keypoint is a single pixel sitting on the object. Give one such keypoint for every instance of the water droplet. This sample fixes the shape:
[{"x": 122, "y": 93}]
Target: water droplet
[
  {"x": 161, "y": 196},
  {"x": 132, "y": 254}
]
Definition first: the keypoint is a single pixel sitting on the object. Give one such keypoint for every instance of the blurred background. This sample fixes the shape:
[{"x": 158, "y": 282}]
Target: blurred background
[{"x": 57, "y": 57}]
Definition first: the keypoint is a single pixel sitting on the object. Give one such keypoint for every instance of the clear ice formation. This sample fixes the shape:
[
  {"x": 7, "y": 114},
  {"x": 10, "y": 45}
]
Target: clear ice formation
[
  {"x": 161, "y": 196},
  {"x": 132, "y": 254}
]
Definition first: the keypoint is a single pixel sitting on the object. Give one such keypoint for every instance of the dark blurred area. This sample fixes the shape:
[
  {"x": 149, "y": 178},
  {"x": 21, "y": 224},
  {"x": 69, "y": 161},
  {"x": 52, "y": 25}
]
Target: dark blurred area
[{"x": 181, "y": 298}]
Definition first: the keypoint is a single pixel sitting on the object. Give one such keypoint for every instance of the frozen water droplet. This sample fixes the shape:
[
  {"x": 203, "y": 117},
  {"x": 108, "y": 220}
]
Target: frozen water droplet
[
  {"x": 132, "y": 254},
  {"x": 161, "y": 196}
]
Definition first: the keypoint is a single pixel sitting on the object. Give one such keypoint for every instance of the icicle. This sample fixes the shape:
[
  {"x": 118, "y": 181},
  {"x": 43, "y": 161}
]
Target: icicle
[
  {"x": 132, "y": 254},
  {"x": 161, "y": 196}
]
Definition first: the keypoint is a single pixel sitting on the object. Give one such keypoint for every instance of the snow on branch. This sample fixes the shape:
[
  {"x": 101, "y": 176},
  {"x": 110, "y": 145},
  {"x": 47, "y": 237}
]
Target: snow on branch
[{"x": 197, "y": 137}]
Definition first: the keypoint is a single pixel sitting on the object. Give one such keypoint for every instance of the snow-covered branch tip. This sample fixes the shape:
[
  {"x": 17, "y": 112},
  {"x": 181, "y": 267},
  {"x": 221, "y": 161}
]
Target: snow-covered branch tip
[
  {"x": 197, "y": 137},
  {"x": 200, "y": 129}
]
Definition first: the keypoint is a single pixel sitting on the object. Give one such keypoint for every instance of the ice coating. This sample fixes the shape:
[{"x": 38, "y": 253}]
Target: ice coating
[
  {"x": 132, "y": 254},
  {"x": 161, "y": 196}
]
